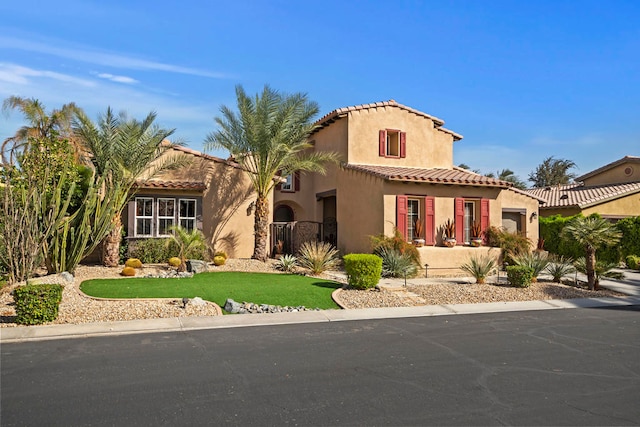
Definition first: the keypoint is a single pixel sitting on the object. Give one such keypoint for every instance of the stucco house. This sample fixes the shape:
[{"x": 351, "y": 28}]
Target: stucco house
[
  {"x": 211, "y": 194},
  {"x": 396, "y": 169},
  {"x": 613, "y": 191}
]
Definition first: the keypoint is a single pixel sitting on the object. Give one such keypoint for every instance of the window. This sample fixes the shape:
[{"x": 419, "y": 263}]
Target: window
[
  {"x": 144, "y": 216},
  {"x": 469, "y": 219},
  {"x": 392, "y": 143},
  {"x": 166, "y": 216},
  {"x": 288, "y": 184},
  {"x": 187, "y": 214},
  {"x": 413, "y": 215}
]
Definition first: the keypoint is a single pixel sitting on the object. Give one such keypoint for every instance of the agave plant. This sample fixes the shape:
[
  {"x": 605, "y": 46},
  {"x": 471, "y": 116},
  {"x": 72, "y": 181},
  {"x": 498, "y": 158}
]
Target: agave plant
[
  {"x": 287, "y": 263},
  {"x": 559, "y": 267},
  {"x": 318, "y": 256},
  {"x": 396, "y": 263},
  {"x": 479, "y": 267},
  {"x": 537, "y": 261},
  {"x": 602, "y": 269}
]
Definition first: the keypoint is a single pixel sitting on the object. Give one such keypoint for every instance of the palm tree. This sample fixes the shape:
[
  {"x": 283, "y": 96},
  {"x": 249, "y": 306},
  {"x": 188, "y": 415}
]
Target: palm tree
[
  {"x": 123, "y": 151},
  {"x": 268, "y": 136},
  {"x": 509, "y": 176},
  {"x": 40, "y": 125},
  {"x": 592, "y": 233},
  {"x": 552, "y": 172},
  {"x": 186, "y": 241}
]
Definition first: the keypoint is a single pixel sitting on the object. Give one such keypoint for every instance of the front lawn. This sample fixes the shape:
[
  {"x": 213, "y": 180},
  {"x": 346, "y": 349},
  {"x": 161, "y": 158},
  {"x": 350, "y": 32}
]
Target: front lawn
[{"x": 259, "y": 288}]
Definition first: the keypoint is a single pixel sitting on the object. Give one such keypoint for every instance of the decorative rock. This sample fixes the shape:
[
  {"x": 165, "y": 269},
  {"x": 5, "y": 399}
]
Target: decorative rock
[
  {"x": 198, "y": 301},
  {"x": 231, "y": 306},
  {"x": 68, "y": 277},
  {"x": 196, "y": 266}
]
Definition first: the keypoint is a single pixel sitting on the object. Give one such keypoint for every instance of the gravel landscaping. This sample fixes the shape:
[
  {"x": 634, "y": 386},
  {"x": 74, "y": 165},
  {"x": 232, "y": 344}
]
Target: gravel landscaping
[{"x": 76, "y": 308}]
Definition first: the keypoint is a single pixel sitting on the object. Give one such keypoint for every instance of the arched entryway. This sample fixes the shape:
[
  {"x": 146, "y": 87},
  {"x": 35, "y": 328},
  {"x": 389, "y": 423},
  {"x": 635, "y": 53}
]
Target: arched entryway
[{"x": 283, "y": 213}]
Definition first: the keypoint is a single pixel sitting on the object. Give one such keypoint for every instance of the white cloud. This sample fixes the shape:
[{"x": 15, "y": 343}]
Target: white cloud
[
  {"x": 18, "y": 74},
  {"x": 97, "y": 57},
  {"x": 117, "y": 79}
]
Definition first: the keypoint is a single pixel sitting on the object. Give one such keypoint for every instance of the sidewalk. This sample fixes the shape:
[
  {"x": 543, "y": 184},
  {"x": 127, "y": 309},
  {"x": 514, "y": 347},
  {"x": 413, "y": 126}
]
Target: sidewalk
[{"x": 629, "y": 286}]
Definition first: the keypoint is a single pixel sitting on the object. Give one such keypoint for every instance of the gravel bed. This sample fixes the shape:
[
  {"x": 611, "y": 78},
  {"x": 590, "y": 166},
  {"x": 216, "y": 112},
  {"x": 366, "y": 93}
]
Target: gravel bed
[{"x": 76, "y": 308}]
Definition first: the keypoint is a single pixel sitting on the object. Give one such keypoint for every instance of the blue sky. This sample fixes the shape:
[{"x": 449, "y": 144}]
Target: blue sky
[{"x": 520, "y": 80}]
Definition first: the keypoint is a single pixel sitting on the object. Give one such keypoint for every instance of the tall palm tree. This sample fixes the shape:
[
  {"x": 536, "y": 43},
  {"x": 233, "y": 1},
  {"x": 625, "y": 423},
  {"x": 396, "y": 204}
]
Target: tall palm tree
[
  {"x": 268, "y": 136},
  {"x": 592, "y": 233},
  {"x": 509, "y": 176},
  {"x": 40, "y": 125},
  {"x": 552, "y": 171},
  {"x": 123, "y": 151}
]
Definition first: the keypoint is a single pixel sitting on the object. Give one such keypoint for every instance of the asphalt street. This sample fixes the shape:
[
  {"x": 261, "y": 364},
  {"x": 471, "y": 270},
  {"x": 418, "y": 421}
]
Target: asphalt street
[{"x": 553, "y": 367}]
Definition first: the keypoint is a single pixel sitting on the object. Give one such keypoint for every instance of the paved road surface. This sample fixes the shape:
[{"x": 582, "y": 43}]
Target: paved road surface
[{"x": 556, "y": 367}]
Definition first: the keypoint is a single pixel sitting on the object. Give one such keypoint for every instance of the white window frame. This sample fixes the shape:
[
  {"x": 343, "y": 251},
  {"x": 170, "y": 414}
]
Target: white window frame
[
  {"x": 165, "y": 217},
  {"x": 143, "y": 217},
  {"x": 288, "y": 184},
  {"x": 469, "y": 219},
  {"x": 188, "y": 218}
]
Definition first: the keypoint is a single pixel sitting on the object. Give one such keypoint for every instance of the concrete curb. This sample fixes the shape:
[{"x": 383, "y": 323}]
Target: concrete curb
[{"x": 50, "y": 332}]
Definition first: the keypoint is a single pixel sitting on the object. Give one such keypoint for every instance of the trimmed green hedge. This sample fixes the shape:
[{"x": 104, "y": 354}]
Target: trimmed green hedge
[
  {"x": 520, "y": 276},
  {"x": 36, "y": 304},
  {"x": 363, "y": 270}
]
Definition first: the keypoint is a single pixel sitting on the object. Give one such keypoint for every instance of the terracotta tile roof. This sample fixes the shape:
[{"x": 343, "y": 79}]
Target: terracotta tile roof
[
  {"x": 173, "y": 185},
  {"x": 433, "y": 176},
  {"x": 625, "y": 159},
  {"x": 578, "y": 195},
  {"x": 188, "y": 150},
  {"x": 342, "y": 112}
]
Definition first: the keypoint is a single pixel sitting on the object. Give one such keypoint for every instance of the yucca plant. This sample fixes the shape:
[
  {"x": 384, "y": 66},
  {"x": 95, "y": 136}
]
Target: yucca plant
[
  {"x": 318, "y": 256},
  {"x": 287, "y": 263},
  {"x": 602, "y": 269},
  {"x": 479, "y": 267},
  {"x": 559, "y": 267},
  {"x": 395, "y": 263},
  {"x": 537, "y": 261}
]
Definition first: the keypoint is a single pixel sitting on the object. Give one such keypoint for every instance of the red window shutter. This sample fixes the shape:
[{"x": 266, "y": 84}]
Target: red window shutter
[
  {"x": 382, "y": 144},
  {"x": 296, "y": 181},
  {"x": 401, "y": 215},
  {"x": 459, "y": 219},
  {"x": 430, "y": 223},
  {"x": 484, "y": 216},
  {"x": 403, "y": 144}
]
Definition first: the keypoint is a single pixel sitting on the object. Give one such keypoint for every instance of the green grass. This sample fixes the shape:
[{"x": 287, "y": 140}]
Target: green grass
[{"x": 259, "y": 288}]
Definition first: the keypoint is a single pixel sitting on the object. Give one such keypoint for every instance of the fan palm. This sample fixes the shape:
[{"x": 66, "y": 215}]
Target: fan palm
[
  {"x": 268, "y": 136},
  {"x": 123, "y": 151},
  {"x": 592, "y": 233},
  {"x": 186, "y": 241}
]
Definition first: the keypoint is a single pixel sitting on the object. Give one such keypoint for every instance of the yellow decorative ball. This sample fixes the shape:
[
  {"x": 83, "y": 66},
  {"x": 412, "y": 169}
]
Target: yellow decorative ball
[
  {"x": 128, "y": 271},
  {"x": 133, "y": 263}
]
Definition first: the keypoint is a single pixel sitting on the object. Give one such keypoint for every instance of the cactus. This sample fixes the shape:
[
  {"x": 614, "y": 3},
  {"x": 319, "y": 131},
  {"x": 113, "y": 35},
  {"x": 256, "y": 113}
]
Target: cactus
[
  {"x": 219, "y": 260},
  {"x": 174, "y": 261},
  {"x": 133, "y": 262},
  {"x": 128, "y": 271}
]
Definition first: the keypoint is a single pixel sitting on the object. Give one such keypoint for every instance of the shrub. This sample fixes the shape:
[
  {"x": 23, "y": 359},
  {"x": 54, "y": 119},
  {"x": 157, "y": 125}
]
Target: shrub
[
  {"x": 363, "y": 270},
  {"x": 174, "y": 261},
  {"x": 396, "y": 242},
  {"x": 519, "y": 276},
  {"x": 633, "y": 262},
  {"x": 133, "y": 262},
  {"x": 537, "y": 261},
  {"x": 218, "y": 260},
  {"x": 559, "y": 266},
  {"x": 396, "y": 264},
  {"x": 318, "y": 256},
  {"x": 630, "y": 243},
  {"x": 152, "y": 251},
  {"x": 287, "y": 263},
  {"x": 512, "y": 244},
  {"x": 128, "y": 271},
  {"x": 479, "y": 267},
  {"x": 36, "y": 304}
]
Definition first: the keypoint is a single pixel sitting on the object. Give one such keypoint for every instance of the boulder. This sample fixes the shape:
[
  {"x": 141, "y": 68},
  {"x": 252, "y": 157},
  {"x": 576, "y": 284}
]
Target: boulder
[
  {"x": 230, "y": 306},
  {"x": 196, "y": 266}
]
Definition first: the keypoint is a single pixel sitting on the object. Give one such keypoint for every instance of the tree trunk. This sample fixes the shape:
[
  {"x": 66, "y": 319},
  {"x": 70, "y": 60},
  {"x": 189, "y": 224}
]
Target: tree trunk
[
  {"x": 590, "y": 265},
  {"x": 111, "y": 244},
  {"x": 261, "y": 228}
]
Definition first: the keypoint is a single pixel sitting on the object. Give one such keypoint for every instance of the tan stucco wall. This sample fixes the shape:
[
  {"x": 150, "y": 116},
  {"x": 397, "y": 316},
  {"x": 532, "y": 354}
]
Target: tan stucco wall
[
  {"x": 445, "y": 261},
  {"x": 427, "y": 147},
  {"x": 509, "y": 199},
  {"x": 616, "y": 175}
]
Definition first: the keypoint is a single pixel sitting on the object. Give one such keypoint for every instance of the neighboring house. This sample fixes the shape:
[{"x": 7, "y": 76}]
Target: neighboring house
[
  {"x": 397, "y": 168},
  {"x": 613, "y": 191},
  {"x": 209, "y": 194}
]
